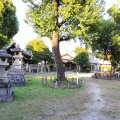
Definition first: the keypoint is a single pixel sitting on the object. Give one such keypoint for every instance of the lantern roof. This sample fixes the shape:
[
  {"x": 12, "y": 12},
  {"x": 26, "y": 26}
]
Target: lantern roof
[{"x": 4, "y": 54}]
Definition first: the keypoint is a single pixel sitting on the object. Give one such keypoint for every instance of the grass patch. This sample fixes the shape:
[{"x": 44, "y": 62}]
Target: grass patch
[
  {"x": 31, "y": 99},
  {"x": 35, "y": 89}
]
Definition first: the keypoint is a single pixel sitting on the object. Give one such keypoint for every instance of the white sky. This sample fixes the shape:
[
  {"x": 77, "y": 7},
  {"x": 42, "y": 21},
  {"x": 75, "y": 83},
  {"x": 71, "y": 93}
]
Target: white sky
[{"x": 26, "y": 32}]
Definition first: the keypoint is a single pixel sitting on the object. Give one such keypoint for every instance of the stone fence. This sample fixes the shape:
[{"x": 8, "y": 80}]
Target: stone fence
[
  {"x": 38, "y": 68},
  {"x": 106, "y": 75}
]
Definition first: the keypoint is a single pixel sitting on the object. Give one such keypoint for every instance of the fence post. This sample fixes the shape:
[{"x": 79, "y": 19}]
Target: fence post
[
  {"x": 68, "y": 84},
  {"x": 77, "y": 78},
  {"x": 46, "y": 80},
  {"x": 51, "y": 78},
  {"x": 42, "y": 80},
  {"x": 72, "y": 79},
  {"x": 56, "y": 84}
]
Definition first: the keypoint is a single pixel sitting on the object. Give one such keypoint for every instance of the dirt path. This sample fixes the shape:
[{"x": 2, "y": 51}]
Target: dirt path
[
  {"x": 95, "y": 105},
  {"x": 83, "y": 105},
  {"x": 86, "y": 104}
]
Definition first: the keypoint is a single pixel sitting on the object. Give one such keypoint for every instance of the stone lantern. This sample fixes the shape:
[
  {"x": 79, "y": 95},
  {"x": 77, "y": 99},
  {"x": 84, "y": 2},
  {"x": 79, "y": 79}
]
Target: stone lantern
[
  {"x": 16, "y": 72},
  {"x": 18, "y": 58},
  {"x": 6, "y": 92}
]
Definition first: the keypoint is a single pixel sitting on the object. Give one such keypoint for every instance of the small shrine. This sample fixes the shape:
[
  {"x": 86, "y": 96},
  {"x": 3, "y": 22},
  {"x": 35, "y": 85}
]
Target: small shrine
[
  {"x": 6, "y": 91},
  {"x": 16, "y": 72}
]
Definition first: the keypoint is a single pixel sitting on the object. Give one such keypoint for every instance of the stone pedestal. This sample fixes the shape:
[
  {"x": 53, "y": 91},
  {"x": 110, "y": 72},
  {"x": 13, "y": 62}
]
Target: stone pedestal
[
  {"x": 16, "y": 73},
  {"x": 16, "y": 77},
  {"x": 6, "y": 91}
]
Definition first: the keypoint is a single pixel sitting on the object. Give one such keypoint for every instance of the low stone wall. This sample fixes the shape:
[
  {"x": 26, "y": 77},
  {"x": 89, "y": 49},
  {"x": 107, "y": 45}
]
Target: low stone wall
[{"x": 106, "y": 75}]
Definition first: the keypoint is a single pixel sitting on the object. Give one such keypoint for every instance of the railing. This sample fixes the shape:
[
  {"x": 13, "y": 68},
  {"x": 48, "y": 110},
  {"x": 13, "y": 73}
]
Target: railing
[
  {"x": 52, "y": 82},
  {"x": 106, "y": 75}
]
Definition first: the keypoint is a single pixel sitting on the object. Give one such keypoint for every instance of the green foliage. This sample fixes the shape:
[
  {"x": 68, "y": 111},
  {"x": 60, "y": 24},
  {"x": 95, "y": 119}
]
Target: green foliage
[
  {"x": 8, "y": 22},
  {"x": 99, "y": 55},
  {"x": 79, "y": 50},
  {"x": 106, "y": 42},
  {"x": 114, "y": 12},
  {"x": 39, "y": 51},
  {"x": 100, "y": 39},
  {"x": 82, "y": 59},
  {"x": 75, "y": 16},
  {"x": 36, "y": 45}
]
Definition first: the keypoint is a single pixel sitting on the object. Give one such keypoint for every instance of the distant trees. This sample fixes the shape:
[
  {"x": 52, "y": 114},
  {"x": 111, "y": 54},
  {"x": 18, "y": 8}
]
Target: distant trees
[
  {"x": 39, "y": 51},
  {"x": 79, "y": 50},
  {"x": 82, "y": 59},
  {"x": 8, "y": 22},
  {"x": 62, "y": 20}
]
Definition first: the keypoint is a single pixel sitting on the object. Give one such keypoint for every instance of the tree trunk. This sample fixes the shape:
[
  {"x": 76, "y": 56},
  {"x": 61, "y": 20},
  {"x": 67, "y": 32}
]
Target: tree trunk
[
  {"x": 57, "y": 57},
  {"x": 55, "y": 45}
]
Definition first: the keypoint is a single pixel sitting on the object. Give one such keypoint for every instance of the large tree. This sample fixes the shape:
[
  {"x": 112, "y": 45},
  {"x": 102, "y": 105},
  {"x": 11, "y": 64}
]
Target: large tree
[
  {"x": 62, "y": 20},
  {"x": 102, "y": 38},
  {"x": 8, "y": 22},
  {"x": 40, "y": 52},
  {"x": 106, "y": 39}
]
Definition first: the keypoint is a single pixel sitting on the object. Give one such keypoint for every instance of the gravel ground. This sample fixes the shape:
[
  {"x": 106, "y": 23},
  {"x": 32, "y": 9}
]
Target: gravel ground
[{"x": 98, "y": 100}]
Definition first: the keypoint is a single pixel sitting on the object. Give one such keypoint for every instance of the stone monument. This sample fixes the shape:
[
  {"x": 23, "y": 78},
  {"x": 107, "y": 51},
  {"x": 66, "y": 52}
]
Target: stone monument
[
  {"x": 6, "y": 91},
  {"x": 16, "y": 72}
]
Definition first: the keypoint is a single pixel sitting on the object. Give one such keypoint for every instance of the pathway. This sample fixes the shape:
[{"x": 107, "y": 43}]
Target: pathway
[{"x": 95, "y": 105}]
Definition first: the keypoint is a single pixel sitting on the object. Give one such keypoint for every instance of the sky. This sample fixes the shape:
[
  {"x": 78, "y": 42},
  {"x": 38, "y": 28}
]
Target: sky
[{"x": 26, "y": 33}]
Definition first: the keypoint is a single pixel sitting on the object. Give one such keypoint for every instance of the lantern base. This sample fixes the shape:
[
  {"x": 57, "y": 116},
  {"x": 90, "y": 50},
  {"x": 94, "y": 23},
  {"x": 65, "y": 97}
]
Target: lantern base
[{"x": 6, "y": 92}]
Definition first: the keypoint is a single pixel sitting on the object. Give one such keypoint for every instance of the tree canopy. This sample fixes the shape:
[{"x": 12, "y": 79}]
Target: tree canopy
[
  {"x": 74, "y": 17},
  {"x": 82, "y": 59},
  {"x": 40, "y": 52},
  {"x": 79, "y": 50},
  {"x": 106, "y": 39},
  {"x": 62, "y": 20},
  {"x": 8, "y": 22}
]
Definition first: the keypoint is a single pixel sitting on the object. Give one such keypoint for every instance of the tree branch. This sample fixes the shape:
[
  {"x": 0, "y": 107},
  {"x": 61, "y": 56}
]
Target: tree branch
[
  {"x": 30, "y": 3},
  {"x": 64, "y": 38},
  {"x": 61, "y": 23}
]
